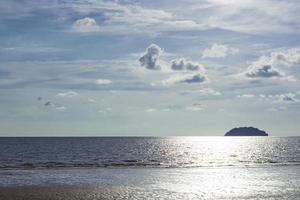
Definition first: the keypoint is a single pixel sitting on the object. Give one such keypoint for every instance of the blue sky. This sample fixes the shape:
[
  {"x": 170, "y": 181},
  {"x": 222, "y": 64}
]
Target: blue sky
[{"x": 193, "y": 67}]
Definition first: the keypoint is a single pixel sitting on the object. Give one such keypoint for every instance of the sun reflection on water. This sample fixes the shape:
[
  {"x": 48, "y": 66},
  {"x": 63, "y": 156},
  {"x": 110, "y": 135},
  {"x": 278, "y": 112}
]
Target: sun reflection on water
[{"x": 222, "y": 151}]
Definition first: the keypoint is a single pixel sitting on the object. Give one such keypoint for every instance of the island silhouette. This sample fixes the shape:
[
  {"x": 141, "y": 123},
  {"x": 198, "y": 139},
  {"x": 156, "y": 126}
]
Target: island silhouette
[{"x": 246, "y": 131}]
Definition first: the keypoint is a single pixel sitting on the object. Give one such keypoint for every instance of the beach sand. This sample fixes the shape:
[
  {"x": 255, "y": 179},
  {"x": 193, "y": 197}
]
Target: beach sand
[
  {"x": 61, "y": 193},
  {"x": 87, "y": 193},
  {"x": 276, "y": 183}
]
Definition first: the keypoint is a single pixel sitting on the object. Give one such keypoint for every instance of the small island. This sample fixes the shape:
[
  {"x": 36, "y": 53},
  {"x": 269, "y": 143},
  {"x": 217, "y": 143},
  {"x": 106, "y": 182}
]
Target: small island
[{"x": 246, "y": 131}]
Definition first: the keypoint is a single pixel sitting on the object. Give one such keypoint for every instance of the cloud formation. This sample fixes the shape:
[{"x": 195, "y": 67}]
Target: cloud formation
[
  {"x": 289, "y": 97},
  {"x": 247, "y": 96},
  {"x": 185, "y": 78},
  {"x": 67, "y": 94},
  {"x": 52, "y": 105},
  {"x": 195, "y": 107},
  {"x": 276, "y": 98},
  {"x": 203, "y": 91},
  {"x": 208, "y": 91},
  {"x": 196, "y": 78},
  {"x": 183, "y": 64},
  {"x": 103, "y": 81},
  {"x": 263, "y": 68},
  {"x": 150, "y": 58},
  {"x": 48, "y": 103},
  {"x": 263, "y": 71},
  {"x": 86, "y": 24},
  {"x": 219, "y": 51},
  {"x": 267, "y": 66},
  {"x": 287, "y": 57}
]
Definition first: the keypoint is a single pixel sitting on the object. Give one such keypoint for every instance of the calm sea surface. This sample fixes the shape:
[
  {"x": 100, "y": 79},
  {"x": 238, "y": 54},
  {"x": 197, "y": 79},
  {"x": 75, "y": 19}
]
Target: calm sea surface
[
  {"x": 174, "y": 152},
  {"x": 170, "y": 168}
]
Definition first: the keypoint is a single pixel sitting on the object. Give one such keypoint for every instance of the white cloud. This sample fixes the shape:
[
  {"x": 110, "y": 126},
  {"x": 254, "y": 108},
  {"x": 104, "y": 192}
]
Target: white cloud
[
  {"x": 195, "y": 107},
  {"x": 247, "y": 96},
  {"x": 33, "y": 48},
  {"x": 183, "y": 64},
  {"x": 252, "y": 16},
  {"x": 91, "y": 100},
  {"x": 150, "y": 58},
  {"x": 61, "y": 108},
  {"x": 263, "y": 68},
  {"x": 209, "y": 91},
  {"x": 289, "y": 97},
  {"x": 218, "y": 51},
  {"x": 103, "y": 81},
  {"x": 276, "y": 109},
  {"x": 178, "y": 68},
  {"x": 86, "y": 24},
  {"x": 67, "y": 94},
  {"x": 105, "y": 110},
  {"x": 267, "y": 66},
  {"x": 206, "y": 91},
  {"x": 276, "y": 98},
  {"x": 263, "y": 71},
  {"x": 287, "y": 57},
  {"x": 129, "y": 17},
  {"x": 150, "y": 110},
  {"x": 255, "y": 16},
  {"x": 54, "y": 105},
  {"x": 185, "y": 78},
  {"x": 191, "y": 108}
]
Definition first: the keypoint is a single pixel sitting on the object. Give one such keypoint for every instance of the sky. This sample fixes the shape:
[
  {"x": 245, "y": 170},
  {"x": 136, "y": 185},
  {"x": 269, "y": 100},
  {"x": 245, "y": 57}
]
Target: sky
[{"x": 149, "y": 68}]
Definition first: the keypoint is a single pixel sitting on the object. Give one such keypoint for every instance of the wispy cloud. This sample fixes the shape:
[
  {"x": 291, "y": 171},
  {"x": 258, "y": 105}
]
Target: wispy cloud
[
  {"x": 196, "y": 107},
  {"x": 274, "y": 16},
  {"x": 185, "y": 78},
  {"x": 276, "y": 98},
  {"x": 50, "y": 104},
  {"x": 219, "y": 51},
  {"x": 247, "y": 96},
  {"x": 67, "y": 94},
  {"x": 252, "y": 16},
  {"x": 207, "y": 91},
  {"x": 103, "y": 81}
]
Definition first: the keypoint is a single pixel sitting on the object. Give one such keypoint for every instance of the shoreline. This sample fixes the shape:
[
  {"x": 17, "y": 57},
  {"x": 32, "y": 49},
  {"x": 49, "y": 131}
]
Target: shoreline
[{"x": 143, "y": 183}]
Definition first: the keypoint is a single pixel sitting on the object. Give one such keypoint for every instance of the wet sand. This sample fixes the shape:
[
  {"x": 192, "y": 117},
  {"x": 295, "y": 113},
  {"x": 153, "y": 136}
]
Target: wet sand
[
  {"x": 268, "y": 183},
  {"x": 42, "y": 193},
  {"x": 83, "y": 193},
  {"x": 57, "y": 193}
]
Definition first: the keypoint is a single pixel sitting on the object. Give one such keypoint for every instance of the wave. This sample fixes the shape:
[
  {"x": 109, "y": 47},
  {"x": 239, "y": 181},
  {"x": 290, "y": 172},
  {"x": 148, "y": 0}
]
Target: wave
[{"x": 140, "y": 163}]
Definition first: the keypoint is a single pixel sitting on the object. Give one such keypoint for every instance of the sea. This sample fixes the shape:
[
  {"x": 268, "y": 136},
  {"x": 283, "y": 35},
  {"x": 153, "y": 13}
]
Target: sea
[{"x": 157, "y": 167}]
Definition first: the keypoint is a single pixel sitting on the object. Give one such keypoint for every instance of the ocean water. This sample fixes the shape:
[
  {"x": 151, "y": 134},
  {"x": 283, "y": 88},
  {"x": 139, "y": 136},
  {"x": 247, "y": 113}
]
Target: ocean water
[
  {"x": 173, "y": 152},
  {"x": 158, "y": 168}
]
